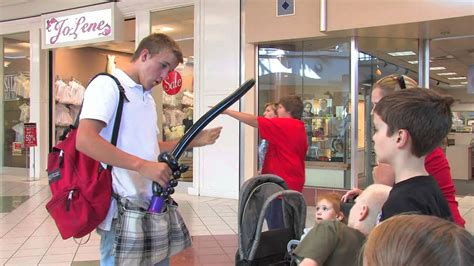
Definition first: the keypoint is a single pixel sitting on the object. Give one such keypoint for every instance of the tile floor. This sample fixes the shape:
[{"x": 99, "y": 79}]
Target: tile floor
[{"x": 28, "y": 236}]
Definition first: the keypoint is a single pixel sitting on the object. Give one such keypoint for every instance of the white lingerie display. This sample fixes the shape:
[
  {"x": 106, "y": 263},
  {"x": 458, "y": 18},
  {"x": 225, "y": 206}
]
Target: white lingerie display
[
  {"x": 16, "y": 85},
  {"x": 68, "y": 96}
]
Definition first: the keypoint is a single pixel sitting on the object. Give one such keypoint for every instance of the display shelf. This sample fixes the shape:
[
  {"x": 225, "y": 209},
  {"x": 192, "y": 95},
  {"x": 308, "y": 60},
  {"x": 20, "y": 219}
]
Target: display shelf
[{"x": 327, "y": 139}]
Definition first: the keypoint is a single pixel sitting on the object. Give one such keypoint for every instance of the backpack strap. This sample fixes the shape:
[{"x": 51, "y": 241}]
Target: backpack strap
[{"x": 118, "y": 116}]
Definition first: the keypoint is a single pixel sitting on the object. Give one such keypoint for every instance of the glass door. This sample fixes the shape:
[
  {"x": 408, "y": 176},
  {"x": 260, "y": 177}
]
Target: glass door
[{"x": 15, "y": 100}]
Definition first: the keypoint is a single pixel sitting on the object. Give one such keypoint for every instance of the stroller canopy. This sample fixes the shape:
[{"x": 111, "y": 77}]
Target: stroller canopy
[{"x": 255, "y": 197}]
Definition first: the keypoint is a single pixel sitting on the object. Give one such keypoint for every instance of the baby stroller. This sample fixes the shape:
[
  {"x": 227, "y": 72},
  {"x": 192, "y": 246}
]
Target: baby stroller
[{"x": 269, "y": 247}]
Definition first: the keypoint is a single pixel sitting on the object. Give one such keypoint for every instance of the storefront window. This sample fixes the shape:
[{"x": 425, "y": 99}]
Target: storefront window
[
  {"x": 452, "y": 73},
  {"x": 318, "y": 72},
  {"x": 178, "y": 90},
  {"x": 72, "y": 74},
  {"x": 16, "y": 99}
]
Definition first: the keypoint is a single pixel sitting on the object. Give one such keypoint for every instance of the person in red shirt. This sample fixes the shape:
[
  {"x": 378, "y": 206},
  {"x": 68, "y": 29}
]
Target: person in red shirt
[{"x": 287, "y": 147}]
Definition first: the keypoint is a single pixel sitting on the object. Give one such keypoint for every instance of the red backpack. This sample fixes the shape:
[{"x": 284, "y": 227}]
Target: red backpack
[{"x": 81, "y": 189}]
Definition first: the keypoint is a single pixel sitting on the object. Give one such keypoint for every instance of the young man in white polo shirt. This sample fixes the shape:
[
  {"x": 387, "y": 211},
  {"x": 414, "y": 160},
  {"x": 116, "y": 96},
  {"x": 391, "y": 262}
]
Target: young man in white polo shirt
[{"x": 135, "y": 156}]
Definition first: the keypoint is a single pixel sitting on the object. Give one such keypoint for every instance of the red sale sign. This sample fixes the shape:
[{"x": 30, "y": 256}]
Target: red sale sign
[
  {"x": 29, "y": 131},
  {"x": 173, "y": 83}
]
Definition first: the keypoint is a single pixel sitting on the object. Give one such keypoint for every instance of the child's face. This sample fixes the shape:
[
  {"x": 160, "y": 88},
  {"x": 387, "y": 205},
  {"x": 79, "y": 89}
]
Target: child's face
[
  {"x": 325, "y": 211},
  {"x": 383, "y": 144},
  {"x": 269, "y": 113}
]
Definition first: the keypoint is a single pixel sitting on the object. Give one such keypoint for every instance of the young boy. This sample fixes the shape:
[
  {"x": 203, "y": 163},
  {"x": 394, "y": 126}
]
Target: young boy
[
  {"x": 135, "y": 156},
  {"x": 408, "y": 125}
]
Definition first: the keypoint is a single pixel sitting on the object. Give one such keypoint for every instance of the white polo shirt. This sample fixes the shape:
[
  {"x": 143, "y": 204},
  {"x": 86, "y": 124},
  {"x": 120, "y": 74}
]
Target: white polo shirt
[{"x": 138, "y": 133}]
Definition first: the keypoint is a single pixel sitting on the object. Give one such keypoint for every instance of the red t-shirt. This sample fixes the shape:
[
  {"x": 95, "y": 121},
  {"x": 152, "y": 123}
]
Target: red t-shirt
[
  {"x": 437, "y": 166},
  {"x": 287, "y": 146}
]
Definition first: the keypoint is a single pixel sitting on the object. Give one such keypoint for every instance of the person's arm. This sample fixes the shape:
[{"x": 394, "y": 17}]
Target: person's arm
[
  {"x": 308, "y": 262},
  {"x": 89, "y": 142},
  {"x": 351, "y": 194},
  {"x": 245, "y": 118},
  {"x": 205, "y": 137}
]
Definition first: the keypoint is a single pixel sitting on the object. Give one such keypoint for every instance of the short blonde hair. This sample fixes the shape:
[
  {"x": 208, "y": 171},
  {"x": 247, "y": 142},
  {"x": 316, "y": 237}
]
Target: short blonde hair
[
  {"x": 394, "y": 82},
  {"x": 157, "y": 42},
  {"x": 273, "y": 106},
  {"x": 418, "y": 240}
]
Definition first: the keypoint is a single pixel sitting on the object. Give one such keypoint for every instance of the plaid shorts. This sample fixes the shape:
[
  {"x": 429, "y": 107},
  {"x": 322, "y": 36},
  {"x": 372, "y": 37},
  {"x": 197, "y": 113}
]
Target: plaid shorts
[{"x": 145, "y": 238}]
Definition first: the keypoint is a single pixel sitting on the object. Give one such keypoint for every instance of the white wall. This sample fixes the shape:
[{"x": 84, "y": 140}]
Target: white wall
[
  {"x": 14, "y": 9},
  {"x": 217, "y": 53}
]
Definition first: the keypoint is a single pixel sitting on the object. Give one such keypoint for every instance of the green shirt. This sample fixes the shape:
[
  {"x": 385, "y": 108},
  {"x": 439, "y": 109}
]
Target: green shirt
[{"x": 331, "y": 243}]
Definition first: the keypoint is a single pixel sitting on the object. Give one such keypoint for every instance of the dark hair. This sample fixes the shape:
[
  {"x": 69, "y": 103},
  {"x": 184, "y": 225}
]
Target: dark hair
[
  {"x": 418, "y": 240},
  {"x": 157, "y": 42},
  {"x": 424, "y": 113},
  {"x": 293, "y": 105}
]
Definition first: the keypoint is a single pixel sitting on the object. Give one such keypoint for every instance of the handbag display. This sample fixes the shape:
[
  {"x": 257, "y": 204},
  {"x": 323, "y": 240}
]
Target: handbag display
[{"x": 146, "y": 238}]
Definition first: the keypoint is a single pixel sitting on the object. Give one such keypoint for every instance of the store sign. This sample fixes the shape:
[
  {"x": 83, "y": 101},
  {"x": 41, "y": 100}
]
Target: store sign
[
  {"x": 29, "y": 133},
  {"x": 173, "y": 83},
  {"x": 89, "y": 26}
]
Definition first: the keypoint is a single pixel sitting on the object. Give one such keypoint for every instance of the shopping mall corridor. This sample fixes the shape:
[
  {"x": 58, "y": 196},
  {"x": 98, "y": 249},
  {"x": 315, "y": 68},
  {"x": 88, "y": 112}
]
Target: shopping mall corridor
[{"x": 28, "y": 235}]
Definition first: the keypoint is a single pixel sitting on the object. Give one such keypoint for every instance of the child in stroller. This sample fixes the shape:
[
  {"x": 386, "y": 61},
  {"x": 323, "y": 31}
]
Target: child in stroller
[
  {"x": 268, "y": 247},
  {"x": 328, "y": 207}
]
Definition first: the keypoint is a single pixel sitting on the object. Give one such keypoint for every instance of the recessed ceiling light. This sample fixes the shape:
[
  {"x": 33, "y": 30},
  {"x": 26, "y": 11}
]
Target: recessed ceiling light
[
  {"x": 455, "y": 78},
  {"x": 9, "y": 50},
  {"x": 464, "y": 82},
  {"x": 413, "y": 62},
  {"x": 446, "y": 74},
  {"x": 456, "y": 85},
  {"x": 437, "y": 68},
  {"x": 404, "y": 53}
]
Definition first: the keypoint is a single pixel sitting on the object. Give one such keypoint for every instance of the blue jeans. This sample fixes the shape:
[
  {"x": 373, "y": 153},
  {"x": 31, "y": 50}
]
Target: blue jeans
[{"x": 107, "y": 239}]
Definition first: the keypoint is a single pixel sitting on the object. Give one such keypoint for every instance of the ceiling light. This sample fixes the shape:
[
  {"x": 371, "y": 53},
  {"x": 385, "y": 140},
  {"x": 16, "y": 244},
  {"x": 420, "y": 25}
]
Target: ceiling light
[
  {"x": 413, "y": 62},
  {"x": 437, "y": 68},
  {"x": 456, "y": 78},
  {"x": 159, "y": 28},
  {"x": 456, "y": 85},
  {"x": 464, "y": 82},
  {"x": 404, "y": 53},
  {"x": 24, "y": 44},
  {"x": 15, "y": 56},
  {"x": 446, "y": 74},
  {"x": 9, "y": 50},
  {"x": 166, "y": 29}
]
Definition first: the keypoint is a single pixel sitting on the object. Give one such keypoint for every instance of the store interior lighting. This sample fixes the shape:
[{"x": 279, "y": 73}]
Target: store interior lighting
[
  {"x": 403, "y": 53},
  {"x": 446, "y": 74}
]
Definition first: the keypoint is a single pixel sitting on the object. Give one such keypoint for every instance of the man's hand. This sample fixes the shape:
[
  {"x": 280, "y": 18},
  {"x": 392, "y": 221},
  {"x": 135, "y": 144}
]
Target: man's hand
[
  {"x": 206, "y": 137},
  {"x": 155, "y": 171},
  {"x": 351, "y": 194}
]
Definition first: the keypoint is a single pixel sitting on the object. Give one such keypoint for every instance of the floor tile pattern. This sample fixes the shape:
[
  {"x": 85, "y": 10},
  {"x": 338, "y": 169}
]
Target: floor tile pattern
[{"x": 28, "y": 235}]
